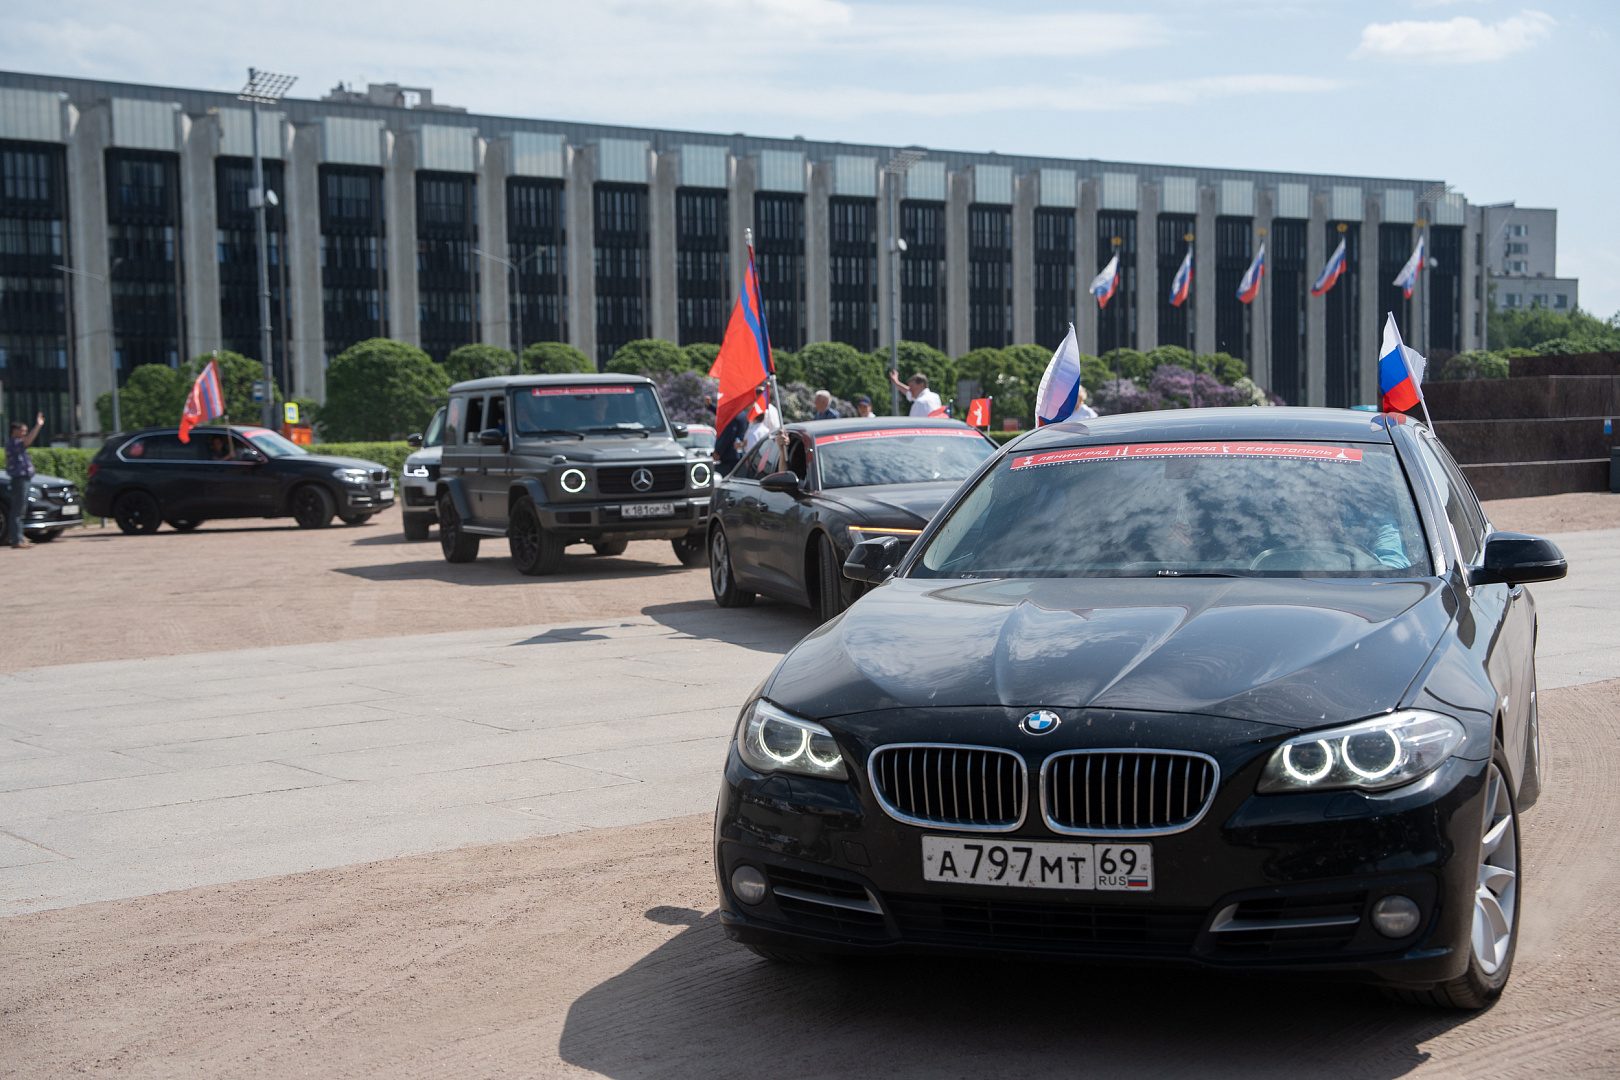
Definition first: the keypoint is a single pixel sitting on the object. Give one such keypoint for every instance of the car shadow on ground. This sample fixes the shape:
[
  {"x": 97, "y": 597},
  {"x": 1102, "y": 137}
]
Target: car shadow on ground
[
  {"x": 699, "y": 1001},
  {"x": 765, "y": 627},
  {"x": 496, "y": 569}
]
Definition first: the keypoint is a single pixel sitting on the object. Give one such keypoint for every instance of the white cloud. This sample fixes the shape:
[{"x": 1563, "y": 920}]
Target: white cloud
[{"x": 1462, "y": 40}]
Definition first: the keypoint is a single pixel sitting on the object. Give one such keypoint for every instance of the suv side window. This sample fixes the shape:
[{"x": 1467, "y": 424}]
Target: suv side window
[
  {"x": 475, "y": 421},
  {"x": 164, "y": 448},
  {"x": 455, "y": 420},
  {"x": 1466, "y": 522},
  {"x": 495, "y": 412},
  {"x": 797, "y": 459}
]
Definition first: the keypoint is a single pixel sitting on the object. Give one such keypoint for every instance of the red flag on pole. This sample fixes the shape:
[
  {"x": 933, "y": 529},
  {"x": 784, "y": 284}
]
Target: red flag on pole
[
  {"x": 978, "y": 414},
  {"x": 745, "y": 363},
  {"x": 206, "y": 401}
]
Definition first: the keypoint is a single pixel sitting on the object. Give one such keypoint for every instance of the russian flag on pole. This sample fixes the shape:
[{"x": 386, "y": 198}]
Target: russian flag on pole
[
  {"x": 1400, "y": 371},
  {"x": 1104, "y": 284},
  {"x": 1330, "y": 272},
  {"x": 1407, "y": 278},
  {"x": 1249, "y": 287},
  {"x": 1181, "y": 284},
  {"x": 1059, "y": 391},
  {"x": 745, "y": 362},
  {"x": 206, "y": 401}
]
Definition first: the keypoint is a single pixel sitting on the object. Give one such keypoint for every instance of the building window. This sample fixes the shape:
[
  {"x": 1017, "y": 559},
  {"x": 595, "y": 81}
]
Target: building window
[
  {"x": 989, "y": 276},
  {"x": 1170, "y": 242},
  {"x": 1518, "y": 249},
  {"x": 1285, "y": 296},
  {"x": 1445, "y": 286},
  {"x": 1342, "y": 387},
  {"x": 446, "y": 268},
  {"x": 1234, "y": 247},
  {"x": 537, "y": 243},
  {"x": 1394, "y": 248},
  {"x": 1116, "y": 323},
  {"x": 619, "y": 214},
  {"x": 1561, "y": 302},
  {"x": 1054, "y": 273},
  {"x": 237, "y": 252},
  {"x": 779, "y": 258},
  {"x": 1518, "y": 230},
  {"x": 922, "y": 272},
  {"x": 852, "y": 268},
  {"x": 354, "y": 264},
  {"x": 702, "y": 264},
  {"x": 145, "y": 268},
  {"x": 33, "y": 298}
]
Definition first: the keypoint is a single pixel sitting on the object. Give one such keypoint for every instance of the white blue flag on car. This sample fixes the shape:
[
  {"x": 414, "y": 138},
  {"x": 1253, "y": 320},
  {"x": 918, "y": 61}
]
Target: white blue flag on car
[{"x": 1059, "y": 393}]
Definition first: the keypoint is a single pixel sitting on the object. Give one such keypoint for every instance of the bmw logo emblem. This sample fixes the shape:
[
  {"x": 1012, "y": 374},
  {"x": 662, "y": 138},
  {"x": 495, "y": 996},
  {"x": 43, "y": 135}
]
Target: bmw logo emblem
[
  {"x": 642, "y": 479},
  {"x": 1040, "y": 723}
]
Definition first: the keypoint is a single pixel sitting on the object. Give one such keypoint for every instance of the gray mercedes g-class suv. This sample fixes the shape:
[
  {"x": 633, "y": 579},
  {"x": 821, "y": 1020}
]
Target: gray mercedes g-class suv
[{"x": 552, "y": 460}]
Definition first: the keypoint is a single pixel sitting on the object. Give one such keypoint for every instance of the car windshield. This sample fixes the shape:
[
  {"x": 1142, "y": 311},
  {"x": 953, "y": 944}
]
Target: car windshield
[
  {"x": 434, "y": 435},
  {"x": 899, "y": 456},
  {"x": 272, "y": 445},
  {"x": 698, "y": 439},
  {"x": 1185, "y": 509},
  {"x": 586, "y": 409}
]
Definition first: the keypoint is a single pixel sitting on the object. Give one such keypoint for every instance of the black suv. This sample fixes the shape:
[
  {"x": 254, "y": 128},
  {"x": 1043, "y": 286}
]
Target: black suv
[
  {"x": 552, "y": 460},
  {"x": 53, "y": 508},
  {"x": 151, "y": 477}
]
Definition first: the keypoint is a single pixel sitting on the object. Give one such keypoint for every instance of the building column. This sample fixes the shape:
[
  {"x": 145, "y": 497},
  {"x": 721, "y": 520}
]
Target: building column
[
  {"x": 1085, "y": 256},
  {"x": 581, "y": 250},
  {"x": 1260, "y": 311},
  {"x": 665, "y": 311},
  {"x": 87, "y": 230},
  {"x": 818, "y": 254},
  {"x": 399, "y": 182},
  {"x": 495, "y": 311},
  {"x": 1316, "y": 253},
  {"x": 1369, "y": 320},
  {"x": 889, "y": 185},
  {"x": 1026, "y": 189},
  {"x": 1204, "y": 272},
  {"x": 1147, "y": 267},
  {"x": 957, "y": 186},
  {"x": 1474, "y": 291},
  {"x": 302, "y": 199},
  {"x": 199, "y": 229}
]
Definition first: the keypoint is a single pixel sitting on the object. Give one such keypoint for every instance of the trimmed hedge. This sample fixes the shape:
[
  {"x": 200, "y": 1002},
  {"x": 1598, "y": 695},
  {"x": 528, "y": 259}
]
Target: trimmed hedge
[{"x": 390, "y": 454}]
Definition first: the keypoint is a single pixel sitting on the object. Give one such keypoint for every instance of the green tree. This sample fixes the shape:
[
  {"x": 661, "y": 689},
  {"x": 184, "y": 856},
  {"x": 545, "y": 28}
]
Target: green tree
[
  {"x": 152, "y": 396},
  {"x": 1529, "y": 328},
  {"x": 1224, "y": 366},
  {"x": 789, "y": 368},
  {"x": 648, "y": 356},
  {"x": 918, "y": 356},
  {"x": 1173, "y": 354},
  {"x": 1127, "y": 364},
  {"x": 478, "y": 362},
  {"x": 380, "y": 389},
  {"x": 842, "y": 369},
  {"x": 700, "y": 355},
  {"x": 555, "y": 358},
  {"x": 237, "y": 375}
]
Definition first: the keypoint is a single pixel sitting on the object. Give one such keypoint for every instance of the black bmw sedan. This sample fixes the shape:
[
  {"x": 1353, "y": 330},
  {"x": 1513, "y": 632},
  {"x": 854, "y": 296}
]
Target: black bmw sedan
[
  {"x": 783, "y": 522},
  {"x": 1247, "y": 688}
]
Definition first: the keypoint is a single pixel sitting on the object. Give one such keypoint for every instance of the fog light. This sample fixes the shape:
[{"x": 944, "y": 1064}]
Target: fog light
[
  {"x": 1395, "y": 916},
  {"x": 748, "y": 884}
]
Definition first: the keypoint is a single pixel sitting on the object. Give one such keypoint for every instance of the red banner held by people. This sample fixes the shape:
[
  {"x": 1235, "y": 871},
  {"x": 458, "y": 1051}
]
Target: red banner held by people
[{"x": 745, "y": 363}]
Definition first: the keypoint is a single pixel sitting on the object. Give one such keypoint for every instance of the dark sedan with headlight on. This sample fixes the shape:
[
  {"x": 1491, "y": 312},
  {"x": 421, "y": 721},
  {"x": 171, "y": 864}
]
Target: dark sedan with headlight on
[
  {"x": 787, "y": 516},
  {"x": 1251, "y": 689}
]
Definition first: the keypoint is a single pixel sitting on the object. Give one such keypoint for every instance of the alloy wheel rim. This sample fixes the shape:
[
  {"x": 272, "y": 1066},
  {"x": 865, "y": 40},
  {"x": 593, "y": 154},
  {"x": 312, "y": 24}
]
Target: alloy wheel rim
[
  {"x": 1496, "y": 896},
  {"x": 719, "y": 567},
  {"x": 525, "y": 539},
  {"x": 306, "y": 507}
]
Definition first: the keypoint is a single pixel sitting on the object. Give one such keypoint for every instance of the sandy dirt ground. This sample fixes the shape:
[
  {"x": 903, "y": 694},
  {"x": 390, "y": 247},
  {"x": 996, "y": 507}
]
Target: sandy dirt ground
[
  {"x": 1577, "y": 511},
  {"x": 600, "y": 953}
]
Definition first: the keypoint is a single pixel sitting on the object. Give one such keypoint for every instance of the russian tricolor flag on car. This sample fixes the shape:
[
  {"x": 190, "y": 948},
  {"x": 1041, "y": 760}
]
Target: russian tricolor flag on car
[
  {"x": 1059, "y": 391},
  {"x": 1400, "y": 371},
  {"x": 1249, "y": 287},
  {"x": 1104, "y": 284},
  {"x": 1330, "y": 272},
  {"x": 205, "y": 401},
  {"x": 1407, "y": 278},
  {"x": 1181, "y": 284}
]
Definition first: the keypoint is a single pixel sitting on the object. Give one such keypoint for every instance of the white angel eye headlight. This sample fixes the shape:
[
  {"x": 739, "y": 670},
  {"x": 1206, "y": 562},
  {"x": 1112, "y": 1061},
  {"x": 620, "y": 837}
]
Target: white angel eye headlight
[
  {"x": 1372, "y": 755},
  {"x": 572, "y": 481},
  {"x": 701, "y": 475},
  {"x": 771, "y": 740}
]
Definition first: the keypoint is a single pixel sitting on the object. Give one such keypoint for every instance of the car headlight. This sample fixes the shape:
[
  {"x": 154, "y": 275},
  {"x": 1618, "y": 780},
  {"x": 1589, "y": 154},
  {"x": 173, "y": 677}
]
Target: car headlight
[
  {"x": 572, "y": 481},
  {"x": 351, "y": 476},
  {"x": 701, "y": 475},
  {"x": 770, "y": 740},
  {"x": 1372, "y": 755},
  {"x": 420, "y": 471}
]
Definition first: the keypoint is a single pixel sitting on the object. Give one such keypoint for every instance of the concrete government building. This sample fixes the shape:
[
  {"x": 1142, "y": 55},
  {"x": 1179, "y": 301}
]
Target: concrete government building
[{"x": 385, "y": 200}]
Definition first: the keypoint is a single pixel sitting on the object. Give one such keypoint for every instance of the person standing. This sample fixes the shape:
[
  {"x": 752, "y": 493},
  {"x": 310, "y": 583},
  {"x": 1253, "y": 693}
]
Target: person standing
[
  {"x": 765, "y": 424},
  {"x": 823, "y": 406},
  {"x": 924, "y": 402},
  {"x": 1082, "y": 411},
  {"x": 20, "y": 469},
  {"x": 863, "y": 405}
]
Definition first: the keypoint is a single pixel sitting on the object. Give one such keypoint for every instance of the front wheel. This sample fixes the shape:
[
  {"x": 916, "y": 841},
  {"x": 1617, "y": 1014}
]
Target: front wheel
[
  {"x": 690, "y": 550},
  {"x": 721, "y": 578},
  {"x": 611, "y": 548},
  {"x": 416, "y": 527},
  {"x": 458, "y": 546},
  {"x": 44, "y": 537},
  {"x": 354, "y": 519},
  {"x": 535, "y": 550},
  {"x": 137, "y": 512},
  {"x": 183, "y": 524},
  {"x": 313, "y": 507}
]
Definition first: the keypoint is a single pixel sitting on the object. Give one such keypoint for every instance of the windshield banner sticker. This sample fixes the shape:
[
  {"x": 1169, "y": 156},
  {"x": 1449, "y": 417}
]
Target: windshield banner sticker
[
  {"x": 564, "y": 391},
  {"x": 884, "y": 433},
  {"x": 1131, "y": 451}
]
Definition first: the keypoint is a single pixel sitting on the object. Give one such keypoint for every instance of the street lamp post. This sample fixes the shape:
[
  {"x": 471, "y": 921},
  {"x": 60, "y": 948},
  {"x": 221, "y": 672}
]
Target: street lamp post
[
  {"x": 895, "y": 169},
  {"x": 264, "y": 88},
  {"x": 515, "y": 268},
  {"x": 68, "y": 273}
]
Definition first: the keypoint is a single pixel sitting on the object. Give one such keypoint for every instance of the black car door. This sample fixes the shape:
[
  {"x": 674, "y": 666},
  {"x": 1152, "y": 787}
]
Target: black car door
[
  {"x": 783, "y": 523},
  {"x": 742, "y": 504}
]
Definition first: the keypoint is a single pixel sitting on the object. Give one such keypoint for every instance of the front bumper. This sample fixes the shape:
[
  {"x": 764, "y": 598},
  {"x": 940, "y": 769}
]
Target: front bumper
[
  {"x": 52, "y": 516},
  {"x": 1269, "y": 883},
  {"x": 609, "y": 520},
  {"x": 417, "y": 498},
  {"x": 368, "y": 498}
]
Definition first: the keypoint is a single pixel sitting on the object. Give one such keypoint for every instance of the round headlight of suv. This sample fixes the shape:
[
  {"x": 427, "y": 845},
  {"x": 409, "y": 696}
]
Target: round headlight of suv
[
  {"x": 572, "y": 481},
  {"x": 771, "y": 740},
  {"x": 701, "y": 475},
  {"x": 1373, "y": 755}
]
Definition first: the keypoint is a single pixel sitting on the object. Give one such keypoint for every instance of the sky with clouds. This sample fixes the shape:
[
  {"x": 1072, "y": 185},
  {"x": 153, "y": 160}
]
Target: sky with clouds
[{"x": 1502, "y": 99}]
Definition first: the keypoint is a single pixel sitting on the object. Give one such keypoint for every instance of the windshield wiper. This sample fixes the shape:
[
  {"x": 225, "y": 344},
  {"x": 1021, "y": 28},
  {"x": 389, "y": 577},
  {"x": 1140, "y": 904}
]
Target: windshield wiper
[
  {"x": 552, "y": 431},
  {"x": 620, "y": 431}
]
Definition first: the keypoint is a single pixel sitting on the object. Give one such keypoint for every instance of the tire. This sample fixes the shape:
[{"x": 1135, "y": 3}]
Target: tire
[
  {"x": 690, "y": 550},
  {"x": 721, "y": 578},
  {"x": 535, "y": 550},
  {"x": 1498, "y": 887},
  {"x": 354, "y": 519},
  {"x": 312, "y": 506},
  {"x": 791, "y": 957},
  {"x": 416, "y": 526},
  {"x": 458, "y": 547},
  {"x": 829, "y": 598},
  {"x": 183, "y": 524},
  {"x": 137, "y": 512},
  {"x": 617, "y": 547},
  {"x": 44, "y": 536}
]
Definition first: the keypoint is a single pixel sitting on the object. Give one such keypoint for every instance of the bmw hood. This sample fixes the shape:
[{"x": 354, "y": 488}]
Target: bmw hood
[
  {"x": 1293, "y": 652},
  {"x": 899, "y": 506},
  {"x": 332, "y": 461}
]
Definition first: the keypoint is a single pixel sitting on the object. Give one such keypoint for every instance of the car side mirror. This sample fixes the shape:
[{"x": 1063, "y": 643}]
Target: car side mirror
[
  {"x": 1516, "y": 559},
  {"x": 681, "y": 430},
  {"x": 250, "y": 455},
  {"x": 414, "y": 440},
  {"x": 873, "y": 561},
  {"x": 492, "y": 437},
  {"x": 784, "y": 482}
]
